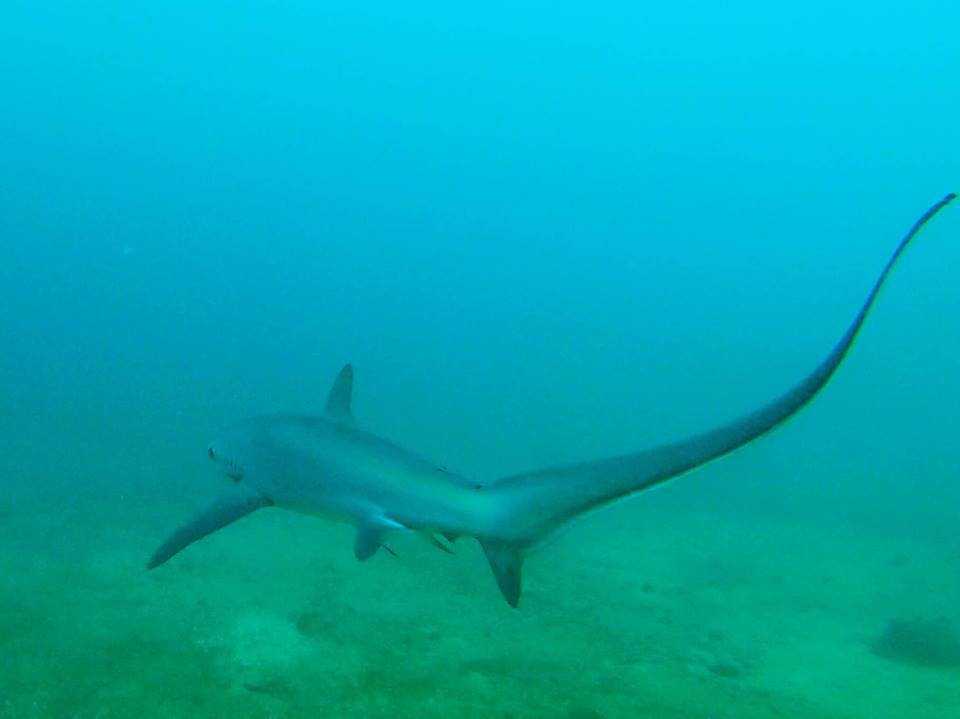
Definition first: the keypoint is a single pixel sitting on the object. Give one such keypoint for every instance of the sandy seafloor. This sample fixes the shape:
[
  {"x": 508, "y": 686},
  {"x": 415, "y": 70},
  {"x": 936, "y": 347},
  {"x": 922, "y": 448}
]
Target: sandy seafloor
[{"x": 645, "y": 610}]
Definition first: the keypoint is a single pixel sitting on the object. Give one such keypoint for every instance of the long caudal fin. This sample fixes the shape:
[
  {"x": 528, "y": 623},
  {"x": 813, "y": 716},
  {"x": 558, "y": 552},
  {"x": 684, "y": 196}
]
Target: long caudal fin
[{"x": 537, "y": 504}]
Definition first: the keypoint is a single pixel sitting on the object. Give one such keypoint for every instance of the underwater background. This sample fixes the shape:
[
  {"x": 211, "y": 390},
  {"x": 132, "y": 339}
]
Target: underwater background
[{"x": 542, "y": 233}]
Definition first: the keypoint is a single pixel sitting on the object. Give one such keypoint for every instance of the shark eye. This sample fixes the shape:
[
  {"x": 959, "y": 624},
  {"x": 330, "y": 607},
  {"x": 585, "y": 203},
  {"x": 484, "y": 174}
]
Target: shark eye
[{"x": 210, "y": 452}]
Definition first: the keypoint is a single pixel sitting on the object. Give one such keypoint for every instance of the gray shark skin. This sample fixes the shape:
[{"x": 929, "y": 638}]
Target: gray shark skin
[{"x": 328, "y": 466}]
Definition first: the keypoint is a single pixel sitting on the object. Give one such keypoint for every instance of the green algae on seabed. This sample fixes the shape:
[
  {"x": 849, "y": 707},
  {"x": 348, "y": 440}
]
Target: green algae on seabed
[
  {"x": 296, "y": 630},
  {"x": 922, "y": 642}
]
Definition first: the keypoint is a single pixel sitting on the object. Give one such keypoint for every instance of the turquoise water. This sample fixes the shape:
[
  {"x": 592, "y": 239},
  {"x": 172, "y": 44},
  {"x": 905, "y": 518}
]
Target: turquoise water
[{"x": 541, "y": 235}]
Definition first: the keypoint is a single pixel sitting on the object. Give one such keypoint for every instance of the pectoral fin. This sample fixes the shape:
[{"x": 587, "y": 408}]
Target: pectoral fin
[{"x": 230, "y": 507}]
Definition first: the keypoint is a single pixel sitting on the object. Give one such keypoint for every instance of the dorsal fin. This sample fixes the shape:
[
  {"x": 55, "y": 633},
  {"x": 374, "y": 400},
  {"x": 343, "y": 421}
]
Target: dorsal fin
[{"x": 338, "y": 402}]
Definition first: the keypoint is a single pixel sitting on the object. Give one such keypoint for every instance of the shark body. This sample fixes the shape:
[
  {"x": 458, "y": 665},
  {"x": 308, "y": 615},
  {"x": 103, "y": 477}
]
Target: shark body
[{"x": 326, "y": 465}]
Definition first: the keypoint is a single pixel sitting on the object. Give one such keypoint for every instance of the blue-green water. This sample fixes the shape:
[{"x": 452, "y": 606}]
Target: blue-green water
[{"x": 541, "y": 234}]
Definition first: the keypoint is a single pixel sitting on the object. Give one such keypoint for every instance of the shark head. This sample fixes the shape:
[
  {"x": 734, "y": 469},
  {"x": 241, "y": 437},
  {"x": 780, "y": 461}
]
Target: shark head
[{"x": 228, "y": 453}]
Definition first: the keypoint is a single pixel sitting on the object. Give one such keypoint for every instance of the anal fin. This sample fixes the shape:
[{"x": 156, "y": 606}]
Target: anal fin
[
  {"x": 370, "y": 537},
  {"x": 367, "y": 542}
]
